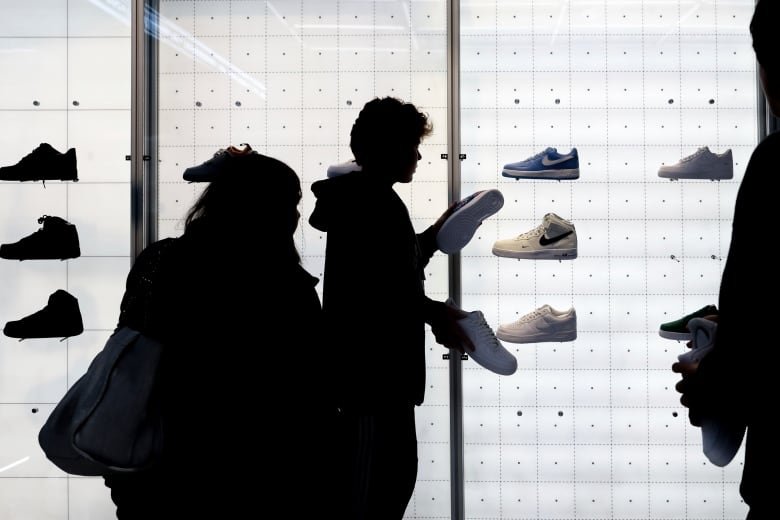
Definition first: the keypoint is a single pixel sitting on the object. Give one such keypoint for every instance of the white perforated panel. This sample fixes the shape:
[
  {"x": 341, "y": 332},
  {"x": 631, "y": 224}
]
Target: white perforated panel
[
  {"x": 66, "y": 82},
  {"x": 593, "y": 428},
  {"x": 289, "y": 77}
]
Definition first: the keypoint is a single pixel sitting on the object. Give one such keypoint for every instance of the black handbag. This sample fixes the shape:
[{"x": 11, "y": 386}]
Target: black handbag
[{"x": 109, "y": 421}]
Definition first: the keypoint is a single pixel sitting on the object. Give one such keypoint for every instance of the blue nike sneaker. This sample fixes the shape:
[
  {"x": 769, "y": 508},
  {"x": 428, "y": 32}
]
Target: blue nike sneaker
[{"x": 548, "y": 164}]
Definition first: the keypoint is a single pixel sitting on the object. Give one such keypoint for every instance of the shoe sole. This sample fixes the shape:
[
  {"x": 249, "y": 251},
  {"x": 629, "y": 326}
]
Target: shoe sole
[
  {"x": 539, "y": 338},
  {"x": 502, "y": 370},
  {"x": 721, "y": 441},
  {"x": 573, "y": 173},
  {"x": 703, "y": 176},
  {"x": 545, "y": 254},
  {"x": 460, "y": 227},
  {"x": 668, "y": 334}
]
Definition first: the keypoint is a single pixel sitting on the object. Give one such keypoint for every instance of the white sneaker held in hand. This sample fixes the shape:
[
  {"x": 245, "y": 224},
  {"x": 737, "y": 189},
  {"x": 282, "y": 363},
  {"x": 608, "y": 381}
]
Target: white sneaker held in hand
[
  {"x": 488, "y": 351},
  {"x": 721, "y": 439}
]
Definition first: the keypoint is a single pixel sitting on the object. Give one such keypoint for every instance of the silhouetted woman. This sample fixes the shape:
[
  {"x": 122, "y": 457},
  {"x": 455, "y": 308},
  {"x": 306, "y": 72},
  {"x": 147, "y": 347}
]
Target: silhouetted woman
[{"x": 239, "y": 319}]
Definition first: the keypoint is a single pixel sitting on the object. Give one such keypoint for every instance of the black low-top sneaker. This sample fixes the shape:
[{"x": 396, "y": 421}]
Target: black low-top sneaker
[
  {"x": 209, "y": 169},
  {"x": 56, "y": 239},
  {"x": 43, "y": 164},
  {"x": 61, "y": 318}
]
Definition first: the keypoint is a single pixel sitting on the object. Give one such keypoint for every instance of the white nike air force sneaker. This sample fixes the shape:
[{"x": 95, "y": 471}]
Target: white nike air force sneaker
[
  {"x": 702, "y": 164},
  {"x": 540, "y": 325},
  {"x": 488, "y": 351},
  {"x": 554, "y": 239}
]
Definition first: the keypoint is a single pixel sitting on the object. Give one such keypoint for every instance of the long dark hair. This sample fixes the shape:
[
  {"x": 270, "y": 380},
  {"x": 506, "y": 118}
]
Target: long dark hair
[{"x": 253, "y": 198}]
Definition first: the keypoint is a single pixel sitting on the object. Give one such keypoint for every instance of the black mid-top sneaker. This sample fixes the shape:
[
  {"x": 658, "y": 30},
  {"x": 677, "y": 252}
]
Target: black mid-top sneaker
[
  {"x": 60, "y": 318},
  {"x": 43, "y": 164},
  {"x": 57, "y": 238}
]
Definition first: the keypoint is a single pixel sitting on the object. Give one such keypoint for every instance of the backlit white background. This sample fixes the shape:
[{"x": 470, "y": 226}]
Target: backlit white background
[{"x": 586, "y": 429}]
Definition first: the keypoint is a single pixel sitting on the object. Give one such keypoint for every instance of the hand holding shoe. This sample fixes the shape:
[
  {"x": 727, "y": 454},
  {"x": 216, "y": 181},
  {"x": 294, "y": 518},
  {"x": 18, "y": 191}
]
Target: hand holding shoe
[{"x": 443, "y": 320}]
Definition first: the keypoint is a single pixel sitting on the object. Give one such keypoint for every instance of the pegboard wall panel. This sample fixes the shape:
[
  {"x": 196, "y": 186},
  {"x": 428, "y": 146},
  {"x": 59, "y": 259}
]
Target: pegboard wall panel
[
  {"x": 289, "y": 77},
  {"x": 592, "y": 428},
  {"x": 65, "y": 82}
]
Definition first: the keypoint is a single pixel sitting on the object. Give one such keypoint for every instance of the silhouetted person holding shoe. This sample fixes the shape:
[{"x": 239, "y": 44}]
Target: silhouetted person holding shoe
[
  {"x": 242, "y": 385},
  {"x": 375, "y": 308},
  {"x": 734, "y": 383}
]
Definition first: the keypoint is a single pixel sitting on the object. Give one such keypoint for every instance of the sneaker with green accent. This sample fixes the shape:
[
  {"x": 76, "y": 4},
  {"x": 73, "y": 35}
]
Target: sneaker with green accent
[{"x": 678, "y": 329}]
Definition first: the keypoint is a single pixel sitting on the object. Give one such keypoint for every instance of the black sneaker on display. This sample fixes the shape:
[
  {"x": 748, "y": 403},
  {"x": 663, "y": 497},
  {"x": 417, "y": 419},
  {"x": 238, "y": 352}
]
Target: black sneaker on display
[
  {"x": 60, "y": 318},
  {"x": 57, "y": 238},
  {"x": 43, "y": 164},
  {"x": 208, "y": 170}
]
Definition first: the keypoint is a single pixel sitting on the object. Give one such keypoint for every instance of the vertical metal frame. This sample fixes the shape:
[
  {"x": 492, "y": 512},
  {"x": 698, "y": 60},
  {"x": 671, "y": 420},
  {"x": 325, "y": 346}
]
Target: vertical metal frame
[
  {"x": 453, "y": 171},
  {"x": 143, "y": 115}
]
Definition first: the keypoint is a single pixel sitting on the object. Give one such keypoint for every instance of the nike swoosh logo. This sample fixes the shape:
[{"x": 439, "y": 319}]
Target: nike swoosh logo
[
  {"x": 548, "y": 162},
  {"x": 544, "y": 241}
]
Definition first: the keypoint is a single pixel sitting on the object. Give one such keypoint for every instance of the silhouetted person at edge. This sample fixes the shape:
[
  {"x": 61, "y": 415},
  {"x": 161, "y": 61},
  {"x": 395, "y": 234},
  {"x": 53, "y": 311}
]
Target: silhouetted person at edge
[
  {"x": 246, "y": 413},
  {"x": 735, "y": 383},
  {"x": 376, "y": 309}
]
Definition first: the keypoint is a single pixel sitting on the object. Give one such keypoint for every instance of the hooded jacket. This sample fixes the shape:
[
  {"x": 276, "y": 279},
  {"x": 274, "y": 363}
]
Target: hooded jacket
[{"x": 373, "y": 295}]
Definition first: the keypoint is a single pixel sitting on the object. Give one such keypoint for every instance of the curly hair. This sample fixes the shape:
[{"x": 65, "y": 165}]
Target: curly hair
[{"x": 384, "y": 128}]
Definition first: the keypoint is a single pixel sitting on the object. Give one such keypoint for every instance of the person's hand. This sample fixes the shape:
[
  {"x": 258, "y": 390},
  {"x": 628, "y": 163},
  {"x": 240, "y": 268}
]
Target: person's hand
[
  {"x": 687, "y": 386},
  {"x": 690, "y": 386},
  {"x": 443, "y": 320},
  {"x": 444, "y": 216}
]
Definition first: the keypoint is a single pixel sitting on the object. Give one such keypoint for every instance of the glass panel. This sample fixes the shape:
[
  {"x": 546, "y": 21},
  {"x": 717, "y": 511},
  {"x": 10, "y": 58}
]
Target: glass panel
[
  {"x": 592, "y": 428},
  {"x": 289, "y": 77},
  {"x": 66, "y": 82}
]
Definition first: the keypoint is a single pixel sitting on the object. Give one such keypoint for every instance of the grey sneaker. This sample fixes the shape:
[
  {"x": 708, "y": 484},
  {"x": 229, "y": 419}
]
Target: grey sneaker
[
  {"x": 702, "y": 164},
  {"x": 554, "y": 239},
  {"x": 541, "y": 325},
  {"x": 488, "y": 351},
  {"x": 467, "y": 216},
  {"x": 208, "y": 170}
]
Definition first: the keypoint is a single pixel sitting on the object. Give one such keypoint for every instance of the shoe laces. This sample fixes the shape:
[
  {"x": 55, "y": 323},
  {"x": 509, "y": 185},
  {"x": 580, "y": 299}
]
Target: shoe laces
[
  {"x": 484, "y": 334},
  {"x": 540, "y": 154},
  {"x": 693, "y": 155},
  {"x": 535, "y": 232},
  {"x": 531, "y": 316}
]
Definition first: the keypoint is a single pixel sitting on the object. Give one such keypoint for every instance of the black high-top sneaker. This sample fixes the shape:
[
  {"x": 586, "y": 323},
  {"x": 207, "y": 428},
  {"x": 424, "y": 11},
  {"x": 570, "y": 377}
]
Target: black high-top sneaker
[
  {"x": 57, "y": 238},
  {"x": 60, "y": 318},
  {"x": 43, "y": 164}
]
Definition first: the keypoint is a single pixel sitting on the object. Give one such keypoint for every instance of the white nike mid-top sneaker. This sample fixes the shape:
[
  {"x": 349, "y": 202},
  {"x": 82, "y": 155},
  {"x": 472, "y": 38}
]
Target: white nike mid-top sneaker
[{"x": 554, "y": 239}]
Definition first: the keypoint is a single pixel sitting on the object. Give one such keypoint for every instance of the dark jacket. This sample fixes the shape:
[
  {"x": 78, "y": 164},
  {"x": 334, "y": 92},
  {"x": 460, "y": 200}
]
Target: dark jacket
[
  {"x": 373, "y": 295},
  {"x": 739, "y": 370},
  {"x": 241, "y": 347}
]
